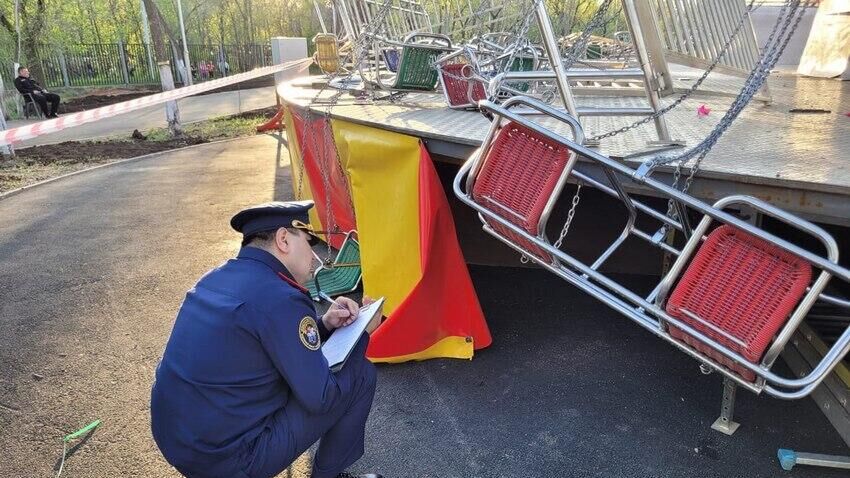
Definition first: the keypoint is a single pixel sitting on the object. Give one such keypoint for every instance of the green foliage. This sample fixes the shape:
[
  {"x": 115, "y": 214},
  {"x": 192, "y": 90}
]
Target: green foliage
[{"x": 207, "y": 21}]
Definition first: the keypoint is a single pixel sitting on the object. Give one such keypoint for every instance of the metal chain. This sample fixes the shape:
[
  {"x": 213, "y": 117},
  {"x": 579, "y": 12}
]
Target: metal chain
[
  {"x": 773, "y": 49},
  {"x": 581, "y": 44},
  {"x": 765, "y": 73},
  {"x": 770, "y": 54},
  {"x": 521, "y": 35},
  {"x": 356, "y": 55},
  {"x": 571, "y": 56},
  {"x": 299, "y": 192},
  {"x": 692, "y": 89},
  {"x": 570, "y": 215},
  {"x": 578, "y": 46},
  {"x": 520, "y": 43}
]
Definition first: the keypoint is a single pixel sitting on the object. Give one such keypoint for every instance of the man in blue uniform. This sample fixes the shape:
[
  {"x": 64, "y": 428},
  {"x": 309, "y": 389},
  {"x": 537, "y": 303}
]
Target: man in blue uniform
[{"x": 243, "y": 388}]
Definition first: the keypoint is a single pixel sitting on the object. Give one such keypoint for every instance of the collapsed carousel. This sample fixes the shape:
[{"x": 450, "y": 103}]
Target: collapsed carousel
[{"x": 588, "y": 156}]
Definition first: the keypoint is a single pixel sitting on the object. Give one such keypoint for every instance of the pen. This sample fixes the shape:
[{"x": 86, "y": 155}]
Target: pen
[{"x": 328, "y": 298}]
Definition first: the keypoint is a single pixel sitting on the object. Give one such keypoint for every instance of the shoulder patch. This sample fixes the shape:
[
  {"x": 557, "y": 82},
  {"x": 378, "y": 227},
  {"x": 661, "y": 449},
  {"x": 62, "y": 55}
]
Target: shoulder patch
[{"x": 308, "y": 331}]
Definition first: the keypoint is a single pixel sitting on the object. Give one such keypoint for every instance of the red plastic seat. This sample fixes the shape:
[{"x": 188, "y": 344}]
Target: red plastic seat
[
  {"x": 457, "y": 88},
  {"x": 741, "y": 285},
  {"x": 517, "y": 178}
]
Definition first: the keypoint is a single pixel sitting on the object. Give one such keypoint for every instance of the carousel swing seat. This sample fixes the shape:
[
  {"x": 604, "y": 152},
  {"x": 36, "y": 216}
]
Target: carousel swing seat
[
  {"x": 734, "y": 295},
  {"x": 340, "y": 276},
  {"x": 418, "y": 54}
]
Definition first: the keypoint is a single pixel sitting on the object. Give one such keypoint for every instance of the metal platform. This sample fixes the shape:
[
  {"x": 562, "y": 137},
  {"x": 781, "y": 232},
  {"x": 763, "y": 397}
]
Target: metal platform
[{"x": 796, "y": 160}]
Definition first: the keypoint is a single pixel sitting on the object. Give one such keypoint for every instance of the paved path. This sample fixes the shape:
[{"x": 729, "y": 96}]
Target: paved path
[
  {"x": 193, "y": 108},
  {"x": 94, "y": 268}
]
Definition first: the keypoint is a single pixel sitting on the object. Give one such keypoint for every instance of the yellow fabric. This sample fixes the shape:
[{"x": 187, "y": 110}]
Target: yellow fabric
[
  {"x": 384, "y": 171},
  {"x": 296, "y": 168},
  {"x": 449, "y": 347}
]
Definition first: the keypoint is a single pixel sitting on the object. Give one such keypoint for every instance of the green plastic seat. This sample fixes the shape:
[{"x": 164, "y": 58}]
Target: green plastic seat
[
  {"x": 418, "y": 55},
  {"x": 522, "y": 63},
  {"x": 415, "y": 71},
  {"x": 343, "y": 275}
]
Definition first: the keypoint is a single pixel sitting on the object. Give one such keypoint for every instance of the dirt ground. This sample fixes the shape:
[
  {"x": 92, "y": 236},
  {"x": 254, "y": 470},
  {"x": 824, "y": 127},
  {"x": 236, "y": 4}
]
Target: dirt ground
[
  {"x": 110, "y": 96},
  {"x": 44, "y": 162},
  {"x": 38, "y": 163},
  {"x": 107, "y": 98}
]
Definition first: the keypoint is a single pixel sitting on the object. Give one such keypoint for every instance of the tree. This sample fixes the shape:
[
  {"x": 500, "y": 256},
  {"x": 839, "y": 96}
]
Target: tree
[
  {"x": 158, "y": 32},
  {"x": 32, "y": 14}
]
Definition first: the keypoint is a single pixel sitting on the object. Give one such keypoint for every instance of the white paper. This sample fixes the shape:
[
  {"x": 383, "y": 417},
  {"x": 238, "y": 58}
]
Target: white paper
[{"x": 343, "y": 339}]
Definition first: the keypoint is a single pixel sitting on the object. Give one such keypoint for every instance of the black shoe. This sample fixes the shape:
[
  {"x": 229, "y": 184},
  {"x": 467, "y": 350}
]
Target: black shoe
[
  {"x": 54, "y": 115},
  {"x": 346, "y": 474}
]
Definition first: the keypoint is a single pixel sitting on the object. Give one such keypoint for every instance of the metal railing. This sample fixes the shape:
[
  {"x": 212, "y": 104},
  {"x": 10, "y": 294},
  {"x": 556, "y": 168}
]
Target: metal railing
[
  {"x": 468, "y": 20},
  {"x": 692, "y": 32},
  {"x": 107, "y": 64},
  {"x": 404, "y": 16}
]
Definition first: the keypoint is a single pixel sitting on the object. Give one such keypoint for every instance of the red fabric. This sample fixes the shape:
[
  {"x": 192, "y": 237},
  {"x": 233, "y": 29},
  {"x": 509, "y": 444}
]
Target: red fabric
[
  {"x": 745, "y": 287},
  {"x": 318, "y": 151},
  {"x": 273, "y": 123},
  {"x": 443, "y": 303}
]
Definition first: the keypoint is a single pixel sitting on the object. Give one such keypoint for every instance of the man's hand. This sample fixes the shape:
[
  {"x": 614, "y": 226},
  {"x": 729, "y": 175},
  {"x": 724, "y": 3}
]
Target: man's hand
[{"x": 342, "y": 313}]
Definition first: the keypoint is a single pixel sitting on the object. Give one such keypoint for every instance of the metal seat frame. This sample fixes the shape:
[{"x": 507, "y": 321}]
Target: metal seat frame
[
  {"x": 649, "y": 312},
  {"x": 475, "y": 84},
  {"x": 483, "y": 59}
]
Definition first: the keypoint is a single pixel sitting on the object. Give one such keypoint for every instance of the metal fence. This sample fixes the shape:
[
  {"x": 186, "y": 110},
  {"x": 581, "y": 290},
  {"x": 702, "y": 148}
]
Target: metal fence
[
  {"x": 107, "y": 64},
  {"x": 693, "y": 33}
]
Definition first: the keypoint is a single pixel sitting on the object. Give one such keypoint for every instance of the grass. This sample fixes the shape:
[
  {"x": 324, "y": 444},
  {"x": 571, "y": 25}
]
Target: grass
[
  {"x": 214, "y": 129},
  {"x": 38, "y": 163},
  {"x": 16, "y": 175}
]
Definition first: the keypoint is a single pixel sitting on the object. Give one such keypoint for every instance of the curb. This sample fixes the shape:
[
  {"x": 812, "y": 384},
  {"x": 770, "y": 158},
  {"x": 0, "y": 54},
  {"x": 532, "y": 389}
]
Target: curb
[
  {"x": 21, "y": 189},
  {"x": 108, "y": 137}
]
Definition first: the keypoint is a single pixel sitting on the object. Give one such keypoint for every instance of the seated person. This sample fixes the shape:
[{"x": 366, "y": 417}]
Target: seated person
[{"x": 27, "y": 86}]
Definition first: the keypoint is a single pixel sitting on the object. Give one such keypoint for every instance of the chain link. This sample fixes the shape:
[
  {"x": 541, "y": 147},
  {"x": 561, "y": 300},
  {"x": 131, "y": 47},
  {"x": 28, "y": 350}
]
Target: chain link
[
  {"x": 570, "y": 215},
  {"x": 770, "y": 55},
  {"x": 580, "y": 45},
  {"x": 773, "y": 49},
  {"x": 572, "y": 55},
  {"x": 723, "y": 50},
  {"x": 355, "y": 56}
]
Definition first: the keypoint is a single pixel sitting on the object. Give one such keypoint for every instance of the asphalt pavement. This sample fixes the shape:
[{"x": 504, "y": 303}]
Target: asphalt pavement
[{"x": 94, "y": 268}]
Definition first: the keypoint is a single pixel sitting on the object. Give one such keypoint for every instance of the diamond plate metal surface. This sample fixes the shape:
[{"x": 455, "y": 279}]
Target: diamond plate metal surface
[{"x": 767, "y": 145}]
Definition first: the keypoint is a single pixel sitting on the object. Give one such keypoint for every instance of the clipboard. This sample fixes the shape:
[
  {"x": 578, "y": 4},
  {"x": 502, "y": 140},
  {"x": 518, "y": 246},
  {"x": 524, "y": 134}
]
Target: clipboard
[{"x": 343, "y": 340}]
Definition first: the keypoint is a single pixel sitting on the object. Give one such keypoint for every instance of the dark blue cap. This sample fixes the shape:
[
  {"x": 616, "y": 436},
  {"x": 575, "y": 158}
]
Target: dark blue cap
[{"x": 271, "y": 216}]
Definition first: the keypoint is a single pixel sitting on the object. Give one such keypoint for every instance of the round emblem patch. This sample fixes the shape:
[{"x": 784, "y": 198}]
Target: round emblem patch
[{"x": 309, "y": 333}]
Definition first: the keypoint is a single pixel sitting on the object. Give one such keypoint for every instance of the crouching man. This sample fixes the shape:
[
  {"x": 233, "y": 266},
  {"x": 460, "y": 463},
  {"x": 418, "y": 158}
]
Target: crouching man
[{"x": 243, "y": 388}]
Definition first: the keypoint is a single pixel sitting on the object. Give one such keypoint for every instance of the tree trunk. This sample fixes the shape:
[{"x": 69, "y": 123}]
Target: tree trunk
[
  {"x": 32, "y": 17},
  {"x": 5, "y": 150},
  {"x": 172, "y": 113}
]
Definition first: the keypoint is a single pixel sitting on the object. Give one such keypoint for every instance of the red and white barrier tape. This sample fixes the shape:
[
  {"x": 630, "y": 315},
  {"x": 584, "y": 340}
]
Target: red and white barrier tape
[{"x": 22, "y": 133}]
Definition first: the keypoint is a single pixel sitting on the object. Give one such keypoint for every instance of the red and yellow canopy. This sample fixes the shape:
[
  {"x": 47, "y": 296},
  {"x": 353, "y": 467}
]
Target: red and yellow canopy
[{"x": 384, "y": 185}]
